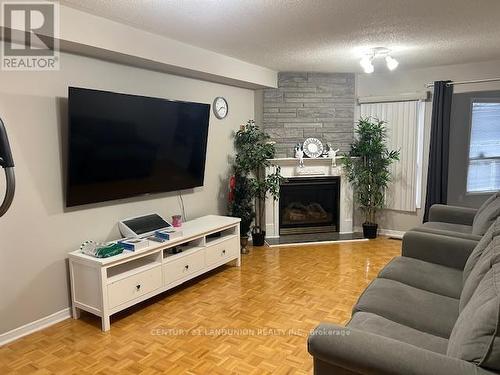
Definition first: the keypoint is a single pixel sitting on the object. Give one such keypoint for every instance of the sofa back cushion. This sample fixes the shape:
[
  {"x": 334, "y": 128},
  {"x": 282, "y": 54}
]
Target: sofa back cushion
[
  {"x": 475, "y": 336},
  {"x": 486, "y": 214},
  {"x": 490, "y": 256},
  {"x": 492, "y": 231}
]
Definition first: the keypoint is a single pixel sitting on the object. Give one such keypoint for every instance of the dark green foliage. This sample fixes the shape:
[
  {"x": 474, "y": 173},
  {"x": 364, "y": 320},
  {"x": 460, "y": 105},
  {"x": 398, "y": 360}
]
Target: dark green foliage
[
  {"x": 367, "y": 166},
  {"x": 253, "y": 151},
  {"x": 242, "y": 203},
  {"x": 253, "y": 148}
]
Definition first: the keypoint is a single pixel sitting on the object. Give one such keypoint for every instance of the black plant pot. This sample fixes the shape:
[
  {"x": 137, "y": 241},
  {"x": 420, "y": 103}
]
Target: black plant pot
[
  {"x": 370, "y": 230},
  {"x": 258, "y": 238}
]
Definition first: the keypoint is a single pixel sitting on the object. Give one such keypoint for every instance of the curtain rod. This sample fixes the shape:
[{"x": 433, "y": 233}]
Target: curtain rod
[{"x": 429, "y": 85}]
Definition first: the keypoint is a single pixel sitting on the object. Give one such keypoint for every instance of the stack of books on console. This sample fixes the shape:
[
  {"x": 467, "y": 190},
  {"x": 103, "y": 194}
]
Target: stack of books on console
[
  {"x": 168, "y": 234},
  {"x": 133, "y": 244}
]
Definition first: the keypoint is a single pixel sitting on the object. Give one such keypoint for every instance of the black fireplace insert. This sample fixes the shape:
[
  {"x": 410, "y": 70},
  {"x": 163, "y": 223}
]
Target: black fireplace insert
[{"x": 309, "y": 205}]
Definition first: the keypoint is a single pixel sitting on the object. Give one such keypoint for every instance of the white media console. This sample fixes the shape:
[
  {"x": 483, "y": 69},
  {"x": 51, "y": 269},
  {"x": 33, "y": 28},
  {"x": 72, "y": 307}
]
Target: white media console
[{"x": 105, "y": 286}]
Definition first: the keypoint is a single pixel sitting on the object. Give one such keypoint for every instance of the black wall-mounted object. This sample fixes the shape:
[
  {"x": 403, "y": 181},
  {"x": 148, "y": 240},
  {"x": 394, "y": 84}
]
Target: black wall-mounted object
[
  {"x": 122, "y": 145},
  {"x": 7, "y": 163}
]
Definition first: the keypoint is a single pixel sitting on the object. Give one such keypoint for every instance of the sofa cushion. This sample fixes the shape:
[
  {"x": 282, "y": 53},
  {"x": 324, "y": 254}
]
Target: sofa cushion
[
  {"x": 486, "y": 214},
  {"x": 492, "y": 231},
  {"x": 448, "y": 229},
  {"x": 424, "y": 275},
  {"x": 487, "y": 202},
  {"x": 490, "y": 255},
  {"x": 416, "y": 308},
  {"x": 475, "y": 337},
  {"x": 376, "y": 324}
]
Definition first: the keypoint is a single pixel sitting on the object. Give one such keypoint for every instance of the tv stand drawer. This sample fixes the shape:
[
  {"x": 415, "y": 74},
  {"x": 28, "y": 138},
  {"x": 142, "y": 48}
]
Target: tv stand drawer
[
  {"x": 134, "y": 286},
  {"x": 180, "y": 268},
  {"x": 223, "y": 250}
]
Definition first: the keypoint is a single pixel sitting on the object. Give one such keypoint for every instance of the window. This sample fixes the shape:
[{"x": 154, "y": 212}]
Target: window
[{"x": 484, "y": 147}]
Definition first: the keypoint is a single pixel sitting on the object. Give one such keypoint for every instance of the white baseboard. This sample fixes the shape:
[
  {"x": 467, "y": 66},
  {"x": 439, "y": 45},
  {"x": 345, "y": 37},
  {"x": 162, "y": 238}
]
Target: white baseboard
[
  {"x": 37, "y": 325},
  {"x": 386, "y": 232},
  {"x": 335, "y": 242},
  {"x": 392, "y": 233}
]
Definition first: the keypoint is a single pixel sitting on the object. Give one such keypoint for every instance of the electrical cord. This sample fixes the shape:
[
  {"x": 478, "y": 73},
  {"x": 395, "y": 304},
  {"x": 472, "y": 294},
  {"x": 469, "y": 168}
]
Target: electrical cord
[{"x": 184, "y": 217}]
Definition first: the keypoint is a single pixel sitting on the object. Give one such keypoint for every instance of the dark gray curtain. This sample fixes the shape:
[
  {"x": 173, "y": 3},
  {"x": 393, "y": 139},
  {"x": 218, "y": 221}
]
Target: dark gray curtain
[{"x": 437, "y": 177}]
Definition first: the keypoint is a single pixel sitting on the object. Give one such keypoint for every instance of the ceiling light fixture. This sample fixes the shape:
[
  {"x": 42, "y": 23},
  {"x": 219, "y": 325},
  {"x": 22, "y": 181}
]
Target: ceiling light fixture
[
  {"x": 366, "y": 61},
  {"x": 391, "y": 62},
  {"x": 366, "y": 64}
]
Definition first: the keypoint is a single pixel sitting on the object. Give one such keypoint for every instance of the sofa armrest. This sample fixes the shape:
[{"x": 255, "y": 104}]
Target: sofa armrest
[
  {"x": 359, "y": 352},
  {"x": 452, "y": 214},
  {"x": 435, "y": 248}
]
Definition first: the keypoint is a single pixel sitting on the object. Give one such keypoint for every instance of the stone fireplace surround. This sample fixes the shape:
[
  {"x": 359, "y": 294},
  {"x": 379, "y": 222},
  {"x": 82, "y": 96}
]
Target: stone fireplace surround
[{"x": 312, "y": 168}]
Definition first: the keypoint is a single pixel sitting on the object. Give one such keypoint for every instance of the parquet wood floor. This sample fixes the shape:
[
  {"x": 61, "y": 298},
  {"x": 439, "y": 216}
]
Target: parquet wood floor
[{"x": 249, "y": 320}]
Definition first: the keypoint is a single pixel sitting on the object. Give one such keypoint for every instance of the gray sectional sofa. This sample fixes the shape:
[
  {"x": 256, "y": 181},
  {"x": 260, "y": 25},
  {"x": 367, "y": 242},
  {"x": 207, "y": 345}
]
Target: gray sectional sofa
[
  {"x": 463, "y": 222},
  {"x": 433, "y": 310}
]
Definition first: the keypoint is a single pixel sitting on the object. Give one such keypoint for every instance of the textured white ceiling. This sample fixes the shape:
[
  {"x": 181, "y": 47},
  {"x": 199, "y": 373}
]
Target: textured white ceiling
[{"x": 319, "y": 35}]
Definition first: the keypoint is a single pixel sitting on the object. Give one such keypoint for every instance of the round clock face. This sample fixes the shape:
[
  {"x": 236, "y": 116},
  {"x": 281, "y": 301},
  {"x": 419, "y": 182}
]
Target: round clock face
[
  {"x": 220, "y": 107},
  {"x": 313, "y": 147}
]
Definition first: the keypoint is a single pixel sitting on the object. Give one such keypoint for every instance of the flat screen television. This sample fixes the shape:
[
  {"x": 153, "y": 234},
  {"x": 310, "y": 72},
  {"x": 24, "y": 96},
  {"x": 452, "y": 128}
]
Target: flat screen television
[{"x": 122, "y": 145}]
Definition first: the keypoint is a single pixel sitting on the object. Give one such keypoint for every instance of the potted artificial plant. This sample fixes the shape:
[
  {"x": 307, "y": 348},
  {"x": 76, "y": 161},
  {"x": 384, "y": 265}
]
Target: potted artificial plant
[
  {"x": 253, "y": 151},
  {"x": 367, "y": 169}
]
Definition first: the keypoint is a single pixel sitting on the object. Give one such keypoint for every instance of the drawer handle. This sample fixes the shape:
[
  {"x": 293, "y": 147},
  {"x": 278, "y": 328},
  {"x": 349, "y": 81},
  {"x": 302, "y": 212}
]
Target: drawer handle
[
  {"x": 138, "y": 287},
  {"x": 186, "y": 267},
  {"x": 223, "y": 252}
]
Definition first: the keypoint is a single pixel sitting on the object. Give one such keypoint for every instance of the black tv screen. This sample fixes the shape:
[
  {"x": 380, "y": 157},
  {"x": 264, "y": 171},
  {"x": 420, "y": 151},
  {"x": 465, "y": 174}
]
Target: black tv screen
[{"x": 122, "y": 145}]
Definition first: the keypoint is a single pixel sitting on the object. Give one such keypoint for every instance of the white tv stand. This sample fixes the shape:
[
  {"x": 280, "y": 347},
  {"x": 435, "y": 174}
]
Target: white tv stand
[{"x": 105, "y": 286}]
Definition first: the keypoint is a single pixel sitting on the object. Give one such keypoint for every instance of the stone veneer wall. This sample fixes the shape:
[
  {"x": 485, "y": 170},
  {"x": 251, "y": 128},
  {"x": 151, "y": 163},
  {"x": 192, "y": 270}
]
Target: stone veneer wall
[{"x": 319, "y": 105}]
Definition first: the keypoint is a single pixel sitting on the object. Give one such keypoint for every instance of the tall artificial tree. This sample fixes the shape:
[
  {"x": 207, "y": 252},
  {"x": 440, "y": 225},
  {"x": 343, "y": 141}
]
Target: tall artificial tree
[
  {"x": 254, "y": 149},
  {"x": 367, "y": 166}
]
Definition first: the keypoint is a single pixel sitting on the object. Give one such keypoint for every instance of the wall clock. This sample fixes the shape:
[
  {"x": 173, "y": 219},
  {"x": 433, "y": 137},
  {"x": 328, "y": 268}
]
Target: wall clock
[{"x": 220, "y": 107}]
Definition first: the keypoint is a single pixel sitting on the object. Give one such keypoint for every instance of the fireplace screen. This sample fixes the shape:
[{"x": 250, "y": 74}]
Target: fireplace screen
[{"x": 309, "y": 205}]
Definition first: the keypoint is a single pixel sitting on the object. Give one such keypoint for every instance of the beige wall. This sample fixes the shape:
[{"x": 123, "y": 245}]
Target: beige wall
[
  {"x": 37, "y": 233},
  {"x": 404, "y": 81}
]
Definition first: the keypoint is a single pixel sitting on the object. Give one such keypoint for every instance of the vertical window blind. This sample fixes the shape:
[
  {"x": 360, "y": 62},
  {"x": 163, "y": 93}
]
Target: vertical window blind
[{"x": 404, "y": 133}]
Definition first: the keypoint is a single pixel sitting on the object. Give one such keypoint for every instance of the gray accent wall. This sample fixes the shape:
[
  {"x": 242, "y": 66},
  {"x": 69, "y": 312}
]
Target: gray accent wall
[{"x": 319, "y": 105}]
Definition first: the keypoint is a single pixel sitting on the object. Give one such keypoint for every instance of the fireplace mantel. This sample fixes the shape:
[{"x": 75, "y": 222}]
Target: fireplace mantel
[{"x": 319, "y": 167}]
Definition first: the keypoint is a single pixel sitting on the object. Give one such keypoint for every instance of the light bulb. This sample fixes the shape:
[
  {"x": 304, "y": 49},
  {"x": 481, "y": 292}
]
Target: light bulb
[
  {"x": 365, "y": 61},
  {"x": 391, "y": 62},
  {"x": 366, "y": 64},
  {"x": 369, "y": 68}
]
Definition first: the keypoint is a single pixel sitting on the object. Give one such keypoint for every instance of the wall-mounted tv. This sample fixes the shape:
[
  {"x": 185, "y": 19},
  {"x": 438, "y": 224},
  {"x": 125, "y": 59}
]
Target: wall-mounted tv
[{"x": 122, "y": 145}]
